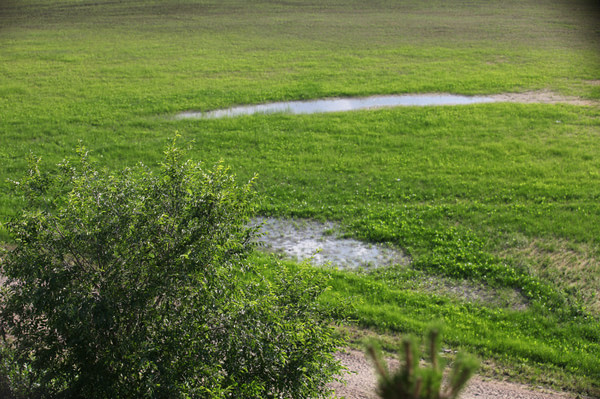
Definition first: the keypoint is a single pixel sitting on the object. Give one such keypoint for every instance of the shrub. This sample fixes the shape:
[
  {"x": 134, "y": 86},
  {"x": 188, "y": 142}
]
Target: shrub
[
  {"x": 136, "y": 284},
  {"x": 411, "y": 381}
]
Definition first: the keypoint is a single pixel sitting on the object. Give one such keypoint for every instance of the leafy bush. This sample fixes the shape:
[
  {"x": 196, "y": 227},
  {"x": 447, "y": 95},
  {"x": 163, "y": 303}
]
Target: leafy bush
[{"x": 136, "y": 284}]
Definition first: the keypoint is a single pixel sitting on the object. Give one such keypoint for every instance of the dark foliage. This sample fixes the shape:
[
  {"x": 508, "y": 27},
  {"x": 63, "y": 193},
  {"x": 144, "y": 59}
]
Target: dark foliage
[{"x": 135, "y": 284}]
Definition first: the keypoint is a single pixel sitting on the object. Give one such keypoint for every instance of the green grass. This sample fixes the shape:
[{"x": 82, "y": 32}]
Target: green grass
[{"x": 505, "y": 195}]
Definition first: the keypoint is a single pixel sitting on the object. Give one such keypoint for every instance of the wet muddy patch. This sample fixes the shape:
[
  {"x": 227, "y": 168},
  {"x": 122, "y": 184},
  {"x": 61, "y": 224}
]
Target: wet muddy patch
[
  {"x": 472, "y": 292},
  {"x": 541, "y": 97},
  {"x": 320, "y": 244}
]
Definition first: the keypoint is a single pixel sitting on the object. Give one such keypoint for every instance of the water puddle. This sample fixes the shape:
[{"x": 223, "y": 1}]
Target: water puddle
[
  {"x": 338, "y": 105},
  {"x": 318, "y": 243},
  {"x": 303, "y": 239}
]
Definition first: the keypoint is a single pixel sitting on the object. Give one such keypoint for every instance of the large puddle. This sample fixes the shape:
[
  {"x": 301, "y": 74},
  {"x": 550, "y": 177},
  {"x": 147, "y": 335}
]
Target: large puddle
[
  {"x": 338, "y": 105},
  {"x": 318, "y": 242}
]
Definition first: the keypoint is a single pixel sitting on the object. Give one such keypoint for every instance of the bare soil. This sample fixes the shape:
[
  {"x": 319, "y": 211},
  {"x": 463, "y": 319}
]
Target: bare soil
[
  {"x": 541, "y": 97},
  {"x": 361, "y": 383}
]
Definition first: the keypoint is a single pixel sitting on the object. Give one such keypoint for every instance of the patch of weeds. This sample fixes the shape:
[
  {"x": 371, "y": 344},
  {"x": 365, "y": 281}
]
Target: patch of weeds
[
  {"x": 458, "y": 253},
  {"x": 459, "y": 290},
  {"x": 330, "y": 232},
  {"x": 574, "y": 267}
]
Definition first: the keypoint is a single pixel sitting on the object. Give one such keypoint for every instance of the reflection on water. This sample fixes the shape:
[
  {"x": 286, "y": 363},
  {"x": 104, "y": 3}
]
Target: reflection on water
[
  {"x": 338, "y": 105},
  {"x": 309, "y": 240}
]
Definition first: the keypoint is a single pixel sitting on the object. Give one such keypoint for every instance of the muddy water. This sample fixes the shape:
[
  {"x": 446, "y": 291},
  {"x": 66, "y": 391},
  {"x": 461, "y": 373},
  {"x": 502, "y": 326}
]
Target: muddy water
[
  {"x": 338, "y": 105},
  {"x": 317, "y": 242}
]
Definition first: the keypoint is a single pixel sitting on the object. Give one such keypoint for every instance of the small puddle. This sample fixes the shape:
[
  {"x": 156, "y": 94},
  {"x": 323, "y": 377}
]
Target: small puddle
[
  {"x": 303, "y": 239},
  {"x": 338, "y": 105}
]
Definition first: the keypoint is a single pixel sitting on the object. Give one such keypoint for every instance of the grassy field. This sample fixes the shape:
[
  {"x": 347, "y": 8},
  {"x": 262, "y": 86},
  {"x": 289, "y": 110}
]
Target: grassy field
[{"x": 500, "y": 196}]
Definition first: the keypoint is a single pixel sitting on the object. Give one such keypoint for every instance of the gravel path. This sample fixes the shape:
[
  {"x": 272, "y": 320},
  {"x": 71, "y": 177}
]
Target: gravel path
[{"x": 360, "y": 384}]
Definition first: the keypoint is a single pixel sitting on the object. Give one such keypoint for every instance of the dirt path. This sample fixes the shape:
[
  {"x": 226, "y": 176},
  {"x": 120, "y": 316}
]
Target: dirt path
[{"x": 360, "y": 384}]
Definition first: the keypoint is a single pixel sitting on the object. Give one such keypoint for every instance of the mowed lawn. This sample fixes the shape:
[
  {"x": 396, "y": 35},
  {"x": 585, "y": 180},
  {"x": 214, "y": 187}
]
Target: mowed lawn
[{"x": 499, "y": 198}]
